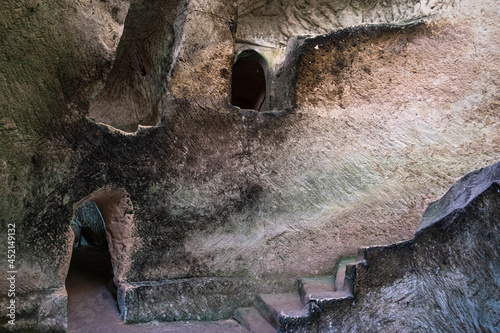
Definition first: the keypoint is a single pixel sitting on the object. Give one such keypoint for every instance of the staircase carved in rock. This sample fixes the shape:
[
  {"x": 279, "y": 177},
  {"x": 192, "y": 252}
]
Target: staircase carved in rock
[{"x": 280, "y": 312}]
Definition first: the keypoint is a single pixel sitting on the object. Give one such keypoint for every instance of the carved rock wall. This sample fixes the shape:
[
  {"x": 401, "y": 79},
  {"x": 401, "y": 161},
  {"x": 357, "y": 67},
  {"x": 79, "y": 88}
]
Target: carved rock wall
[
  {"x": 446, "y": 278},
  {"x": 380, "y": 120},
  {"x": 135, "y": 87}
]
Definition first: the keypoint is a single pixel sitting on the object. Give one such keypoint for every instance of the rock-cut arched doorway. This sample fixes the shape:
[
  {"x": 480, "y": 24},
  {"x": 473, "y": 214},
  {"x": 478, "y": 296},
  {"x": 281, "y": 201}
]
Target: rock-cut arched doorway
[
  {"x": 248, "y": 81},
  {"x": 102, "y": 226},
  {"x": 89, "y": 284}
]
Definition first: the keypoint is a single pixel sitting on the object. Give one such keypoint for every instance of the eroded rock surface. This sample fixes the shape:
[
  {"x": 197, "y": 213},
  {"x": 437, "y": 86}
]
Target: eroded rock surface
[
  {"x": 446, "y": 278},
  {"x": 369, "y": 124},
  {"x": 133, "y": 91}
]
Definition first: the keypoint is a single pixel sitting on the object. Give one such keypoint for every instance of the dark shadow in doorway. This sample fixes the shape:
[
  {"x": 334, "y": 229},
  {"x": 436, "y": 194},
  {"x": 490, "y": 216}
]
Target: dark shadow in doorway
[{"x": 248, "y": 82}]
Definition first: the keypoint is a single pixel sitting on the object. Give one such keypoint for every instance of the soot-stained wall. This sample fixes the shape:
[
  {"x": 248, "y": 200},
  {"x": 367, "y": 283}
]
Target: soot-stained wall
[{"x": 377, "y": 121}]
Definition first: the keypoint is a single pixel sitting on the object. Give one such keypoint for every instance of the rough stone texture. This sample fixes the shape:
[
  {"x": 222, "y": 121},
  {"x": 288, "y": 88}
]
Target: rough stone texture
[
  {"x": 460, "y": 195},
  {"x": 40, "y": 311},
  {"x": 276, "y": 21},
  {"x": 184, "y": 299},
  {"x": 135, "y": 86},
  {"x": 53, "y": 56},
  {"x": 204, "y": 52},
  {"x": 445, "y": 279},
  {"x": 268, "y": 25},
  {"x": 379, "y": 121}
]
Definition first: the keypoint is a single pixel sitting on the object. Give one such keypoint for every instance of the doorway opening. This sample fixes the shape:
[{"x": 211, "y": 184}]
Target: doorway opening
[
  {"x": 103, "y": 224},
  {"x": 248, "y": 82},
  {"x": 89, "y": 284}
]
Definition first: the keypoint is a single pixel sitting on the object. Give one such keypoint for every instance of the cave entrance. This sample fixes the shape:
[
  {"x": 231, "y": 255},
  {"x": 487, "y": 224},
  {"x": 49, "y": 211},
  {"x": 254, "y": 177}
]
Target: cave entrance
[
  {"x": 248, "y": 83},
  {"x": 89, "y": 284}
]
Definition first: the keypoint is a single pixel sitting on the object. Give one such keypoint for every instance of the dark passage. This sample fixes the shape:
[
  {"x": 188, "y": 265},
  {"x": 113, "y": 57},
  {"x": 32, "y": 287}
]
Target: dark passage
[
  {"x": 248, "y": 85},
  {"x": 90, "y": 302},
  {"x": 91, "y": 292}
]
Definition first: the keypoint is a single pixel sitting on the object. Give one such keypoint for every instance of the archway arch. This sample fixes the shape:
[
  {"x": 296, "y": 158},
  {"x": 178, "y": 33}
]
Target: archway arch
[
  {"x": 103, "y": 221},
  {"x": 89, "y": 226},
  {"x": 249, "y": 81}
]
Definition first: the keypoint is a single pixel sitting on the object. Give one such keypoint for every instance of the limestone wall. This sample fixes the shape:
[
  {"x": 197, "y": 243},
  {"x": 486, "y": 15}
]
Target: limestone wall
[
  {"x": 446, "y": 278},
  {"x": 380, "y": 120}
]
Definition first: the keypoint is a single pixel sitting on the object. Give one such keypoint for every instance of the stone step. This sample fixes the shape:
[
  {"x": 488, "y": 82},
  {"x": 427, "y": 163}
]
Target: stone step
[
  {"x": 329, "y": 298},
  {"x": 251, "y": 319},
  {"x": 362, "y": 254},
  {"x": 340, "y": 272},
  {"x": 311, "y": 286},
  {"x": 281, "y": 310},
  {"x": 270, "y": 306}
]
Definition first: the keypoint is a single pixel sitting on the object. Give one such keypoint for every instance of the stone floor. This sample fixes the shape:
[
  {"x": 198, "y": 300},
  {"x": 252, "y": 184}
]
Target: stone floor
[{"x": 92, "y": 308}]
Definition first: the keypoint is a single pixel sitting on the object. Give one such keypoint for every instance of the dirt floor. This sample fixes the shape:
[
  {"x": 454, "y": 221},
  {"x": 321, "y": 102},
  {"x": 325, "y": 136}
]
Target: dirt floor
[{"x": 93, "y": 309}]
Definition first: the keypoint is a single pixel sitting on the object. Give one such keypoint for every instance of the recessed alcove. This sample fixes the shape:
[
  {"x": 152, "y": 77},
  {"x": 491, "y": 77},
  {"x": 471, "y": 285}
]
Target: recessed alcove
[{"x": 249, "y": 81}]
